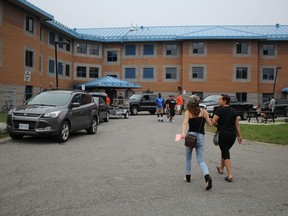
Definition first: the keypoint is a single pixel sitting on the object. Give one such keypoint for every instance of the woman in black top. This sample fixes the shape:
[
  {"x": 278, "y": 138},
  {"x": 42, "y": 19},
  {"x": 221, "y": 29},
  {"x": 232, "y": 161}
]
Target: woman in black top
[
  {"x": 227, "y": 121},
  {"x": 196, "y": 118}
]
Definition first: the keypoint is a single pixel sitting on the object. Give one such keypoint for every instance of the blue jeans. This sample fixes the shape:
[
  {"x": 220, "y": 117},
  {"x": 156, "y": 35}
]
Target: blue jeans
[{"x": 199, "y": 155}]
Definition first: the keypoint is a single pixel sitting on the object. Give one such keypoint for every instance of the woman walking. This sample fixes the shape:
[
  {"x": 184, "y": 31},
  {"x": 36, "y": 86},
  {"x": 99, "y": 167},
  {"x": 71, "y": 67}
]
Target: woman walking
[
  {"x": 227, "y": 122},
  {"x": 196, "y": 118}
]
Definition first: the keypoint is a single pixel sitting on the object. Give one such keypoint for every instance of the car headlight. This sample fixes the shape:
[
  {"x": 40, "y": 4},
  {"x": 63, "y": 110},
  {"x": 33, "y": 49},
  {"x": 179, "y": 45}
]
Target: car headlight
[
  {"x": 210, "y": 108},
  {"x": 11, "y": 111},
  {"x": 52, "y": 114}
]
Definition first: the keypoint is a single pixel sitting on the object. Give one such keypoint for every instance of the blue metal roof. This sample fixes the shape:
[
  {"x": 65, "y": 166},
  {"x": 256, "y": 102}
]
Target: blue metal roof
[
  {"x": 173, "y": 33},
  {"x": 162, "y": 33},
  {"x": 109, "y": 82}
]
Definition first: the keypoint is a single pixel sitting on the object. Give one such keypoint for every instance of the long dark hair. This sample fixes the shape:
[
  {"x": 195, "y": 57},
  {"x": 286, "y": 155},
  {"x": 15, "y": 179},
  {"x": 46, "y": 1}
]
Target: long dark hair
[{"x": 193, "y": 106}]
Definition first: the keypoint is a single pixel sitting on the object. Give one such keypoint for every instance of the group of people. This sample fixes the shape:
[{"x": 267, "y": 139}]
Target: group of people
[
  {"x": 226, "y": 120},
  {"x": 169, "y": 106}
]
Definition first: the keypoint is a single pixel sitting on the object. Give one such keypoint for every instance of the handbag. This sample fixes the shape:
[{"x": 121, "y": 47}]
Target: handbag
[
  {"x": 191, "y": 140},
  {"x": 216, "y": 135},
  {"x": 216, "y": 138}
]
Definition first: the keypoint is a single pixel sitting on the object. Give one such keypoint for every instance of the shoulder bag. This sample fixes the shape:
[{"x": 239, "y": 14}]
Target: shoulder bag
[{"x": 191, "y": 140}]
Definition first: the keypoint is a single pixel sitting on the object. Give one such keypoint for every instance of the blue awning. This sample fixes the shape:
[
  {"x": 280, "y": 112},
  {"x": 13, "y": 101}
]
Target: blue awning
[
  {"x": 285, "y": 90},
  {"x": 109, "y": 82}
]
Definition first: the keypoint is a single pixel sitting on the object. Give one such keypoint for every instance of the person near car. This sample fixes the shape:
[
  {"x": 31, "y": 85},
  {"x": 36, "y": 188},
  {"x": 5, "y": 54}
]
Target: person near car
[
  {"x": 272, "y": 103},
  {"x": 108, "y": 100},
  {"x": 196, "y": 117},
  {"x": 172, "y": 108},
  {"x": 167, "y": 108},
  {"x": 227, "y": 121},
  {"x": 159, "y": 107},
  {"x": 179, "y": 101}
]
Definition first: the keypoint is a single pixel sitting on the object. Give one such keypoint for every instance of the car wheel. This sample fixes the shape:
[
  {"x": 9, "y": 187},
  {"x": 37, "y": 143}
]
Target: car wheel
[
  {"x": 286, "y": 113},
  {"x": 134, "y": 110},
  {"x": 16, "y": 136},
  {"x": 64, "y": 132},
  {"x": 126, "y": 115},
  {"x": 244, "y": 115},
  {"x": 93, "y": 127},
  {"x": 106, "y": 119}
]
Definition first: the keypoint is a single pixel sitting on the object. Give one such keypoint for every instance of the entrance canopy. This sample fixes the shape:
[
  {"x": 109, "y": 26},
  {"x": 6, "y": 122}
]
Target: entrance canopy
[{"x": 109, "y": 82}]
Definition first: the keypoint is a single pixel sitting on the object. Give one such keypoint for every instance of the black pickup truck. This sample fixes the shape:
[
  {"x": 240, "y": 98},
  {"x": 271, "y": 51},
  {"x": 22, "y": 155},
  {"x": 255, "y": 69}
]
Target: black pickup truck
[
  {"x": 210, "y": 103},
  {"x": 142, "y": 102}
]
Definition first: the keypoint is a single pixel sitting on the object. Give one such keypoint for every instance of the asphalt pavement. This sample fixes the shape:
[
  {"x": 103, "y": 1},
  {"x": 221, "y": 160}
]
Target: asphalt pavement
[{"x": 134, "y": 167}]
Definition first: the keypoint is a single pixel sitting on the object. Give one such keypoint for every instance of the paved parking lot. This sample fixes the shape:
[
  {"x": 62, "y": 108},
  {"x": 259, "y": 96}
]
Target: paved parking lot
[{"x": 134, "y": 167}]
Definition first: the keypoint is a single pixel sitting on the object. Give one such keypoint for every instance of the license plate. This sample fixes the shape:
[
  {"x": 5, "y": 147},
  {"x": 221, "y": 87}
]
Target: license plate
[{"x": 24, "y": 126}]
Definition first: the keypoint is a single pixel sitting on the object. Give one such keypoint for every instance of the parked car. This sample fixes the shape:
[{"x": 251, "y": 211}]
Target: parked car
[
  {"x": 210, "y": 103},
  {"x": 54, "y": 113},
  {"x": 281, "y": 107},
  {"x": 142, "y": 102},
  {"x": 103, "y": 107}
]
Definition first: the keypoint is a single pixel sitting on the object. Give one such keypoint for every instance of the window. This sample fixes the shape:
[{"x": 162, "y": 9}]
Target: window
[
  {"x": 241, "y": 96},
  {"x": 171, "y": 73},
  {"x": 28, "y": 58},
  {"x": 148, "y": 49},
  {"x": 28, "y": 92},
  {"x": 68, "y": 45},
  {"x": 241, "y": 73},
  {"x": 51, "y": 66},
  {"x": 111, "y": 56},
  {"x": 266, "y": 97},
  {"x": 94, "y": 72},
  {"x": 268, "y": 50},
  {"x": 130, "y": 50},
  {"x": 241, "y": 48},
  {"x": 67, "y": 70},
  {"x": 268, "y": 74},
  {"x": 94, "y": 49},
  {"x": 60, "y": 68},
  {"x": 82, "y": 48},
  {"x": 148, "y": 73},
  {"x": 30, "y": 24},
  {"x": 52, "y": 38},
  {"x": 171, "y": 49},
  {"x": 130, "y": 73},
  {"x": 198, "y": 48},
  {"x": 60, "y": 38},
  {"x": 81, "y": 71},
  {"x": 197, "y": 72}
]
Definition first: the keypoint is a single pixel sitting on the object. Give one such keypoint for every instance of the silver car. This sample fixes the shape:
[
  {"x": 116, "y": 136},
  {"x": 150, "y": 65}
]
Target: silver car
[{"x": 55, "y": 113}]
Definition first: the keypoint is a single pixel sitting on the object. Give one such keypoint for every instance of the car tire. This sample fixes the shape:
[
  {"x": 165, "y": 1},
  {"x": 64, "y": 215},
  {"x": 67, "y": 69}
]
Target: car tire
[
  {"x": 286, "y": 112},
  {"x": 93, "y": 127},
  {"x": 106, "y": 119},
  {"x": 134, "y": 110},
  {"x": 64, "y": 132},
  {"x": 245, "y": 115},
  {"x": 16, "y": 136},
  {"x": 126, "y": 115}
]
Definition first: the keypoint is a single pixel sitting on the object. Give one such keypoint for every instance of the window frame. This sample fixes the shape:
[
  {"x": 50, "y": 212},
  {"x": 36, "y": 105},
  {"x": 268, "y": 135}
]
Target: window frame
[
  {"x": 30, "y": 24},
  {"x": 29, "y": 58}
]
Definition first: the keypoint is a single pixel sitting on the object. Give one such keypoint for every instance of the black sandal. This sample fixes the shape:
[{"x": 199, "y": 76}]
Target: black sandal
[
  {"x": 218, "y": 168},
  {"x": 228, "y": 179}
]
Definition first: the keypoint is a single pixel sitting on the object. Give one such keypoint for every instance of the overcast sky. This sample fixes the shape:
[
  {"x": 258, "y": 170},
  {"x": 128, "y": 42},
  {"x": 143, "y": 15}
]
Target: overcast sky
[{"x": 124, "y": 13}]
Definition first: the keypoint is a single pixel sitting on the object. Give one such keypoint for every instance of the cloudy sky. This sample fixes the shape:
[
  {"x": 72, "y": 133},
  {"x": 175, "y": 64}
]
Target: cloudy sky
[{"x": 123, "y": 13}]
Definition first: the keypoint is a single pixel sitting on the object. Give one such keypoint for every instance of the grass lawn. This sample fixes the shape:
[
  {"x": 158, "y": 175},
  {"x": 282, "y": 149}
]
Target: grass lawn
[{"x": 270, "y": 133}]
